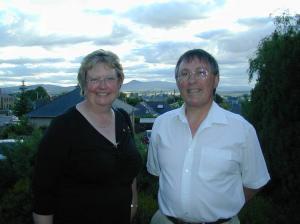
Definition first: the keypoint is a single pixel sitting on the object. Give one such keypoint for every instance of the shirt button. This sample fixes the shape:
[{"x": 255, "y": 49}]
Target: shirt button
[{"x": 186, "y": 170}]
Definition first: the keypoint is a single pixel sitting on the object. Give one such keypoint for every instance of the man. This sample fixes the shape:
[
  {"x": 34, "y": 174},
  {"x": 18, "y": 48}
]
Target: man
[{"x": 208, "y": 160}]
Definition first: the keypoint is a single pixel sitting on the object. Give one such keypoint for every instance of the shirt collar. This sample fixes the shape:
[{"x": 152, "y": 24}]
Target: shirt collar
[
  {"x": 181, "y": 114},
  {"x": 215, "y": 115}
]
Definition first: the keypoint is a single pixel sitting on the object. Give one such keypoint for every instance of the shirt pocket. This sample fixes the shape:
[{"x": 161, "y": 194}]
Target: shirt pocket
[{"x": 217, "y": 164}]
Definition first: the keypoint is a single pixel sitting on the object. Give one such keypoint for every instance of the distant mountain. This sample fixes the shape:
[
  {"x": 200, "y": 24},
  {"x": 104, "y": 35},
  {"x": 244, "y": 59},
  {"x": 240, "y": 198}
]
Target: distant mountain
[
  {"x": 233, "y": 90},
  {"x": 138, "y": 86},
  {"x": 51, "y": 89},
  {"x": 132, "y": 86}
]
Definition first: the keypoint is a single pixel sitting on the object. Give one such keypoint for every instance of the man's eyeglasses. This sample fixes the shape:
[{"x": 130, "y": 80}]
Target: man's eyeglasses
[
  {"x": 110, "y": 80},
  {"x": 199, "y": 74}
]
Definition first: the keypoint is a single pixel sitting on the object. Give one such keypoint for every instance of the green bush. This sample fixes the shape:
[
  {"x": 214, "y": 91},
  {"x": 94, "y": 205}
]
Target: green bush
[
  {"x": 147, "y": 188},
  {"x": 147, "y": 207},
  {"x": 22, "y": 128},
  {"x": 15, "y": 182},
  {"x": 259, "y": 210},
  {"x": 15, "y": 204}
]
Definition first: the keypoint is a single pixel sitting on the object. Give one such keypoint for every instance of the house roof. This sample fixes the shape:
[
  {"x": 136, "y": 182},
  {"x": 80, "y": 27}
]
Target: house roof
[
  {"x": 159, "y": 107},
  {"x": 143, "y": 109},
  {"x": 64, "y": 102},
  {"x": 152, "y": 108}
]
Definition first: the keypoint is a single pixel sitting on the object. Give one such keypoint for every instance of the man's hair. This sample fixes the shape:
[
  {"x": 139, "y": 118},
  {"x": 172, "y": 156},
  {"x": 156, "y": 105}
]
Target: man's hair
[
  {"x": 107, "y": 58},
  {"x": 202, "y": 55}
]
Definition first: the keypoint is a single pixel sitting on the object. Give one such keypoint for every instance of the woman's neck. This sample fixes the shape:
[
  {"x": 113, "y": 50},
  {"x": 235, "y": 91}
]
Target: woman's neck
[
  {"x": 102, "y": 120},
  {"x": 96, "y": 108},
  {"x": 100, "y": 115}
]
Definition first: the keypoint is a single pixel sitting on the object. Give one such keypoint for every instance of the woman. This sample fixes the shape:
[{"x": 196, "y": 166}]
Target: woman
[{"x": 87, "y": 161}]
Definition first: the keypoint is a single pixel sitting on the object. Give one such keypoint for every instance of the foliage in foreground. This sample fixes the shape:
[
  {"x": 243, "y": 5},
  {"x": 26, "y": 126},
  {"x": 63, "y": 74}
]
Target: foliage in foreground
[
  {"x": 274, "y": 111},
  {"x": 16, "y": 172},
  {"x": 15, "y": 191}
]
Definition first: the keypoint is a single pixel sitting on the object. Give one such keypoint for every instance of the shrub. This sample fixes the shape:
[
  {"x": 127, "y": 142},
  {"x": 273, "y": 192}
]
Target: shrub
[
  {"x": 258, "y": 211},
  {"x": 16, "y": 172}
]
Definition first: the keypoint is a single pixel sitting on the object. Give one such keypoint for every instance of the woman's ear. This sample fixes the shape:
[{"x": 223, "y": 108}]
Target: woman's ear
[{"x": 120, "y": 83}]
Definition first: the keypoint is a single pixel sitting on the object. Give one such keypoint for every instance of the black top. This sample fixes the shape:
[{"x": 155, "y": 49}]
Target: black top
[{"x": 80, "y": 176}]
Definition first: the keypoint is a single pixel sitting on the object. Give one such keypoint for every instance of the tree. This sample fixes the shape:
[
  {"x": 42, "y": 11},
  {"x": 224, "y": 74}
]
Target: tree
[
  {"x": 133, "y": 100},
  {"x": 22, "y": 105},
  {"x": 21, "y": 129},
  {"x": 122, "y": 96},
  {"x": 274, "y": 111},
  {"x": 220, "y": 101},
  {"x": 37, "y": 94},
  {"x": 245, "y": 105}
]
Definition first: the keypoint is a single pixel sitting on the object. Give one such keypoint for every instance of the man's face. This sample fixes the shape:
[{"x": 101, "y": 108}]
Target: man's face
[{"x": 196, "y": 83}]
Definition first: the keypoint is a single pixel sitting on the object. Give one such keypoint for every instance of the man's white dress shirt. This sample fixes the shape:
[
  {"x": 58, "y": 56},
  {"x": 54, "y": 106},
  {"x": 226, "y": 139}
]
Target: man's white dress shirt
[{"x": 201, "y": 178}]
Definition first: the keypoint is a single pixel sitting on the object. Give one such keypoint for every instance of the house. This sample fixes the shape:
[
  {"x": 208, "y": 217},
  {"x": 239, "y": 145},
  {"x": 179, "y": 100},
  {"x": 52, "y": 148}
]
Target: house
[
  {"x": 6, "y": 102},
  {"x": 148, "y": 111},
  {"x": 151, "y": 109},
  {"x": 7, "y": 120},
  {"x": 234, "y": 104},
  {"x": 43, "y": 115},
  {"x": 160, "y": 107}
]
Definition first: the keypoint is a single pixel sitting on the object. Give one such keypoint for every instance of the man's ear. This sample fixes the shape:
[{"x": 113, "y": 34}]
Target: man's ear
[{"x": 216, "y": 81}]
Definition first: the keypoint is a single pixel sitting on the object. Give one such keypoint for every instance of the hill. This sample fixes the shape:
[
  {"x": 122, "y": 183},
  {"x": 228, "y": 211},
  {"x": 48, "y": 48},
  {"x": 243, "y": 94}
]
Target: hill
[
  {"x": 133, "y": 86},
  {"x": 51, "y": 89},
  {"x": 138, "y": 86}
]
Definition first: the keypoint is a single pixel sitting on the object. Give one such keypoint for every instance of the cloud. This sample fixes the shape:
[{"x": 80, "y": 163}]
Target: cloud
[
  {"x": 13, "y": 24},
  {"x": 245, "y": 41},
  {"x": 31, "y": 60},
  {"x": 24, "y": 70},
  {"x": 156, "y": 73},
  {"x": 171, "y": 14},
  {"x": 213, "y": 34},
  {"x": 120, "y": 33},
  {"x": 45, "y": 78},
  {"x": 16, "y": 29},
  {"x": 254, "y": 22},
  {"x": 105, "y": 11},
  {"x": 165, "y": 52},
  {"x": 240, "y": 41}
]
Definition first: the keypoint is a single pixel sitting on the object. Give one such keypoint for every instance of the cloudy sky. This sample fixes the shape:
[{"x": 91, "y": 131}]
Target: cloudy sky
[{"x": 44, "y": 41}]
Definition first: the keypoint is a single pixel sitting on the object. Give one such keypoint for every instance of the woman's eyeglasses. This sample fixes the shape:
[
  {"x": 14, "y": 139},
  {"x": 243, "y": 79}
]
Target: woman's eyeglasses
[{"x": 107, "y": 80}]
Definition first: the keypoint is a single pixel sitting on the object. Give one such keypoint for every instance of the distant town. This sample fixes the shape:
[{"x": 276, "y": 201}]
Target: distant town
[{"x": 144, "y": 101}]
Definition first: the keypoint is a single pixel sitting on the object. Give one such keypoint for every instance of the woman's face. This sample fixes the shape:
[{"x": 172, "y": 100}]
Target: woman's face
[{"x": 102, "y": 85}]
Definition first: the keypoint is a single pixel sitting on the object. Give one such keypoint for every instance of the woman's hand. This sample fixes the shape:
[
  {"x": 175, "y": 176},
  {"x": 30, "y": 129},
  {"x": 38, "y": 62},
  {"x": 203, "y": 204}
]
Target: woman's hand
[
  {"x": 134, "y": 201},
  {"x": 42, "y": 219}
]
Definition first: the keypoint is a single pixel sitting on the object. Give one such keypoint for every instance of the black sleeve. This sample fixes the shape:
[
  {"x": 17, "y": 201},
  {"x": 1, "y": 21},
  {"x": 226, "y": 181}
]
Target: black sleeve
[{"x": 48, "y": 167}]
